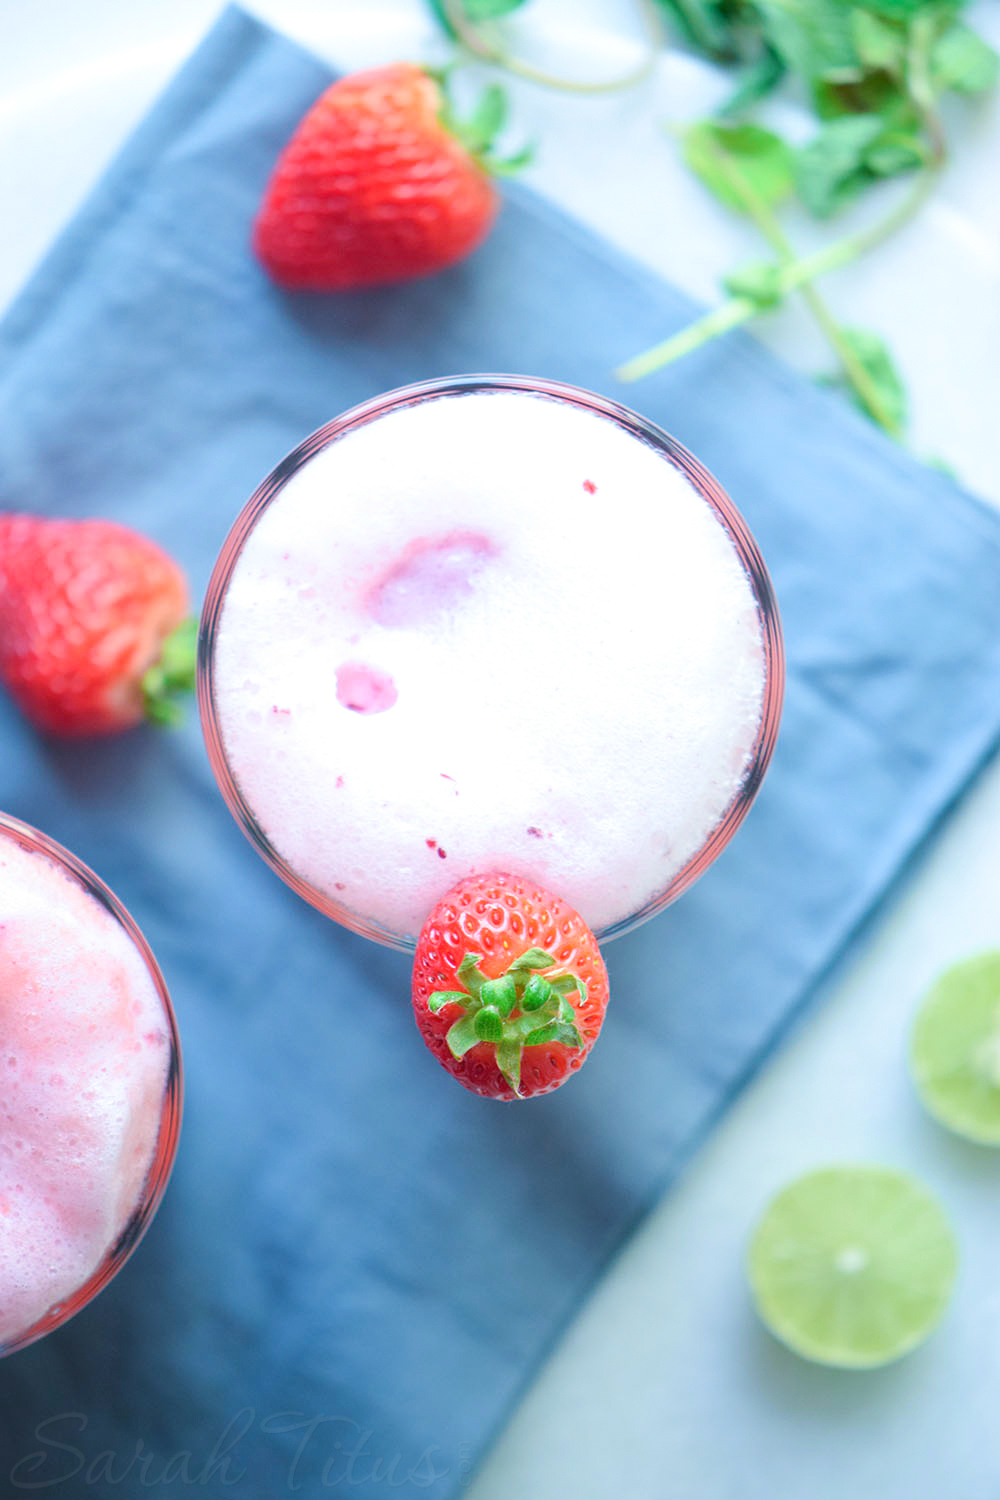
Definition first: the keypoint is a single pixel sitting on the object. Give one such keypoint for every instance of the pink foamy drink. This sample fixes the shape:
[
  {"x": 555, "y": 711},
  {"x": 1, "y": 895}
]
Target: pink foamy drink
[
  {"x": 489, "y": 624},
  {"x": 91, "y": 1098}
]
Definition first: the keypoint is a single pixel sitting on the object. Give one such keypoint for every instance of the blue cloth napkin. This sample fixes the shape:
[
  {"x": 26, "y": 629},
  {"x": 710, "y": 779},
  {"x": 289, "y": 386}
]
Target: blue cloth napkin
[{"x": 357, "y": 1265}]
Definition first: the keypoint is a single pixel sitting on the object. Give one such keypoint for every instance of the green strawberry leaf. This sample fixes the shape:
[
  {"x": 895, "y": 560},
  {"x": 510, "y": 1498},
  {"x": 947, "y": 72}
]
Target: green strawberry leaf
[
  {"x": 462, "y": 1036},
  {"x": 531, "y": 958},
  {"x": 739, "y": 161},
  {"x": 470, "y": 973},
  {"x": 479, "y": 131},
  {"x": 501, "y": 994},
  {"x": 171, "y": 676},
  {"x": 537, "y": 992},
  {"x": 522, "y": 1026},
  {"x": 488, "y": 1024},
  {"x": 441, "y": 998},
  {"x": 509, "y": 1063},
  {"x": 565, "y": 1011},
  {"x": 962, "y": 61},
  {"x": 563, "y": 1032},
  {"x": 510, "y": 166}
]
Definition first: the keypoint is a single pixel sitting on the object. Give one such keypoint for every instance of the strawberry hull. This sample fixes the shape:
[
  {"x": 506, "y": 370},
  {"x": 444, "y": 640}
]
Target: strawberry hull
[{"x": 488, "y": 927}]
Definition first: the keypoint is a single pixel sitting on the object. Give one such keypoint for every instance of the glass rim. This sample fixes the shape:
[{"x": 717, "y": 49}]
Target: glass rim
[
  {"x": 158, "y": 1174},
  {"x": 706, "y": 485}
]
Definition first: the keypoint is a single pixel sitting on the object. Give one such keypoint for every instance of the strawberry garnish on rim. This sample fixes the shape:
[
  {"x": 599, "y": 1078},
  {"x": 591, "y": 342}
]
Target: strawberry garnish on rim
[{"x": 509, "y": 988}]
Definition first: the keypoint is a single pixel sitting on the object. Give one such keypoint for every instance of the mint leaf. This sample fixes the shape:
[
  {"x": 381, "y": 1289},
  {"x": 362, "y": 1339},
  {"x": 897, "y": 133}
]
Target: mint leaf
[
  {"x": 739, "y": 161},
  {"x": 872, "y": 353},
  {"x": 474, "y": 10},
  {"x": 905, "y": 9},
  {"x": 485, "y": 10},
  {"x": 441, "y": 16},
  {"x": 812, "y": 37},
  {"x": 894, "y": 154},
  {"x": 962, "y": 61},
  {"x": 705, "y": 26},
  {"x": 869, "y": 93},
  {"x": 831, "y": 168},
  {"x": 759, "y": 282},
  {"x": 757, "y": 81},
  {"x": 877, "y": 44}
]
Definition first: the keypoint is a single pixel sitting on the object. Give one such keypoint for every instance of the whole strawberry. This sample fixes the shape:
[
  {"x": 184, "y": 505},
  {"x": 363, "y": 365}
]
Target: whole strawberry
[
  {"x": 378, "y": 184},
  {"x": 93, "y": 627},
  {"x": 509, "y": 987}
]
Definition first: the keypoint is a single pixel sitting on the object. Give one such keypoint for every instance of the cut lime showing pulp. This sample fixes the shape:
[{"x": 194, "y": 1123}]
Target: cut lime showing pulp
[
  {"x": 955, "y": 1049},
  {"x": 852, "y": 1266}
]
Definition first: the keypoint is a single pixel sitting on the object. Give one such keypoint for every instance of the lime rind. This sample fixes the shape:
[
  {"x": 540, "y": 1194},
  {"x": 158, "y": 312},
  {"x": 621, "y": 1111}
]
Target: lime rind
[
  {"x": 853, "y": 1266},
  {"x": 955, "y": 1049}
]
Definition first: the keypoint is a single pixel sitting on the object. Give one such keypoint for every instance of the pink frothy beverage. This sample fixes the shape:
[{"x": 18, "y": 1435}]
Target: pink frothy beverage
[
  {"x": 91, "y": 1099},
  {"x": 489, "y": 623}
]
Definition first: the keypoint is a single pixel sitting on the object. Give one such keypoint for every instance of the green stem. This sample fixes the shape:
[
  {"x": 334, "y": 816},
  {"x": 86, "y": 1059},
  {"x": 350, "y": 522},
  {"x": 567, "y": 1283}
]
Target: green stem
[
  {"x": 795, "y": 274},
  {"x": 923, "y": 34},
  {"x": 841, "y": 253},
  {"x": 482, "y": 47}
]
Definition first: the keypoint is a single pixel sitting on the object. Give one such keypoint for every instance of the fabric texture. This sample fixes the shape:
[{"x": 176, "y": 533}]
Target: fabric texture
[{"x": 357, "y": 1265}]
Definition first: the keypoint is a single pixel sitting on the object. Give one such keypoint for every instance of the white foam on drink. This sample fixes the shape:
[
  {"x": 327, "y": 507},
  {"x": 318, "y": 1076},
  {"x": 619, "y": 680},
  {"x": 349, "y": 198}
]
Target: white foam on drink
[
  {"x": 572, "y": 648},
  {"x": 84, "y": 1051}
]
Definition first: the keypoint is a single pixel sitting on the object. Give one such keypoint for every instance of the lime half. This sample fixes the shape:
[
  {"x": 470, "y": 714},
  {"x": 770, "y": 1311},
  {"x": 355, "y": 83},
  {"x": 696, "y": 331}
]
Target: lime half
[
  {"x": 955, "y": 1049},
  {"x": 853, "y": 1266}
]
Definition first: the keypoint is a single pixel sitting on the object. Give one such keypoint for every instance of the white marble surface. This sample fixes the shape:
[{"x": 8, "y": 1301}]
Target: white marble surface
[{"x": 665, "y": 1386}]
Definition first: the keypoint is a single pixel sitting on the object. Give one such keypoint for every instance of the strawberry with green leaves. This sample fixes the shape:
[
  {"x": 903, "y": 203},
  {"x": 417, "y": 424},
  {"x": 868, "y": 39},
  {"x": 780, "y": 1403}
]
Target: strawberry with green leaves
[
  {"x": 380, "y": 183},
  {"x": 509, "y": 987},
  {"x": 94, "y": 627}
]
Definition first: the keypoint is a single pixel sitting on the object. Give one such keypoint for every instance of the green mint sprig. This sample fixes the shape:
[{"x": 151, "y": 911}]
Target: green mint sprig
[{"x": 873, "y": 74}]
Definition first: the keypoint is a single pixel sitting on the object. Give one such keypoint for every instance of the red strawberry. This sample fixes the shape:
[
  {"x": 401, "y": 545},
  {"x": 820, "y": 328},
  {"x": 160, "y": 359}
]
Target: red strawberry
[
  {"x": 374, "y": 188},
  {"x": 92, "y": 624},
  {"x": 509, "y": 987}
]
